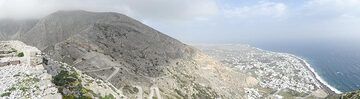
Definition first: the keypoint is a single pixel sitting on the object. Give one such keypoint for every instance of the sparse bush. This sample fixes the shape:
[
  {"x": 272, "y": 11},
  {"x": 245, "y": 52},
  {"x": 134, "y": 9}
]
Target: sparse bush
[
  {"x": 351, "y": 95},
  {"x": 21, "y": 54},
  {"x": 130, "y": 89},
  {"x": 13, "y": 50},
  {"x": 11, "y": 89},
  {"x": 110, "y": 96},
  {"x": 64, "y": 78},
  {"x": 72, "y": 82},
  {"x": 5, "y": 94},
  {"x": 69, "y": 97}
]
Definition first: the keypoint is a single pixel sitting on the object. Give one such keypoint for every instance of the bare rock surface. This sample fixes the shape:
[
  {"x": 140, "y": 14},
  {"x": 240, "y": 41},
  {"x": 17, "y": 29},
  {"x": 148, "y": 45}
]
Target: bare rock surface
[{"x": 23, "y": 77}]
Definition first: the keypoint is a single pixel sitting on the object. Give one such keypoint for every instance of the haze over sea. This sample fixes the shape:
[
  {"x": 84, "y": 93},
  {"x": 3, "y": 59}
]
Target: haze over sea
[{"x": 336, "y": 61}]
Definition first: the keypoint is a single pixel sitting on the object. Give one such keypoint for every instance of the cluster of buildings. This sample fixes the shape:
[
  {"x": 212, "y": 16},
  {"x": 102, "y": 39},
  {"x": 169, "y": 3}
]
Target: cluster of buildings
[{"x": 277, "y": 71}]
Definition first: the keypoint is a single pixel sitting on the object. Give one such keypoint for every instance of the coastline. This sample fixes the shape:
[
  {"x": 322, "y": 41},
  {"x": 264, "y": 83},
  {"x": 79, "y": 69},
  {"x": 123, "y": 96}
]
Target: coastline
[
  {"x": 320, "y": 82},
  {"x": 323, "y": 84}
]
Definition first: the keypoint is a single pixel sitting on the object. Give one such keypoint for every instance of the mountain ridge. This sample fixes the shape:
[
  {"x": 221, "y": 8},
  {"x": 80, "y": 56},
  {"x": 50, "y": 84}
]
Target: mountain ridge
[{"x": 129, "y": 54}]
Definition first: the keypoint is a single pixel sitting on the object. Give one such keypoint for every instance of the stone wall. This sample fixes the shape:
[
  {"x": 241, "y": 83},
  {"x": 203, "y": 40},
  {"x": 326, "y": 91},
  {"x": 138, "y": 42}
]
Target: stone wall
[{"x": 32, "y": 54}]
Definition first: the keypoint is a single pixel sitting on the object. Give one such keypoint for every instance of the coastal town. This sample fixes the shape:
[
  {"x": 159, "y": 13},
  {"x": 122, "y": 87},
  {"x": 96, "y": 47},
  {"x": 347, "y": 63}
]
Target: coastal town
[{"x": 281, "y": 75}]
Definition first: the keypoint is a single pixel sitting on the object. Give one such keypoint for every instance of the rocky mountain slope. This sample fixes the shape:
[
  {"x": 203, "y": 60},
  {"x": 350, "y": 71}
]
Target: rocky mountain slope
[
  {"x": 10, "y": 29},
  {"x": 24, "y": 74},
  {"x": 138, "y": 60}
]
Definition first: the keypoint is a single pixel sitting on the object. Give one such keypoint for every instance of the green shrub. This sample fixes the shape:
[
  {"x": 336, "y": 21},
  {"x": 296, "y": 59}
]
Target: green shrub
[
  {"x": 13, "y": 50},
  {"x": 11, "y": 89},
  {"x": 74, "y": 97},
  {"x": 69, "y": 97},
  {"x": 21, "y": 54},
  {"x": 64, "y": 78},
  {"x": 71, "y": 81},
  {"x": 110, "y": 96},
  {"x": 5, "y": 94}
]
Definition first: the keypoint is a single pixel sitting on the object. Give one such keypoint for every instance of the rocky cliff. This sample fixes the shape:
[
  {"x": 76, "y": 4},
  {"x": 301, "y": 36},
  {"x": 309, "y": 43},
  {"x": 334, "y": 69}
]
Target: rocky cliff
[{"x": 21, "y": 73}]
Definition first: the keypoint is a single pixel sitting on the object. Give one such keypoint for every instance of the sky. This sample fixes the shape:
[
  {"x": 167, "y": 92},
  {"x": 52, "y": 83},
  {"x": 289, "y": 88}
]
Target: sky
[{"x": 211, "y": 21}]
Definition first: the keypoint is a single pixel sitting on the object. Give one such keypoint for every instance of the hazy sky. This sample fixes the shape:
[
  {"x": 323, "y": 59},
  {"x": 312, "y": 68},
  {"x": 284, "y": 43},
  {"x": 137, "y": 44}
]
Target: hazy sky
[{"x": 217, "y": 20}]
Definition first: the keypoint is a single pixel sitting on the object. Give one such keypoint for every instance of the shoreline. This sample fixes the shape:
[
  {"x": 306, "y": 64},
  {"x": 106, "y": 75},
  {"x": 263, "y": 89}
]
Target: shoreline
[{"x": 323, "y": 84}]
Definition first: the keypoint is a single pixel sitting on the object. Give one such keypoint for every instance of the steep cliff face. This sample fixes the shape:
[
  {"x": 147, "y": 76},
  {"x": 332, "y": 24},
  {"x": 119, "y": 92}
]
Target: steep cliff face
[{"x": 135, "y": 58}]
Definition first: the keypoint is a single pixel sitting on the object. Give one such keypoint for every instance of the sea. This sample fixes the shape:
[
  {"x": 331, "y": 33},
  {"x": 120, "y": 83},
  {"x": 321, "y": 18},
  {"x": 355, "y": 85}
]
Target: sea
[{"x": 336, "y": 61}]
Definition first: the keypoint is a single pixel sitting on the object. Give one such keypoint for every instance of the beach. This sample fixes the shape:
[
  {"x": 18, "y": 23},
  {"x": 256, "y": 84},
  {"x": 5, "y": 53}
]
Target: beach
[
  {"x": 277, "y": 71},
  {"x": 323, "y": 84}
]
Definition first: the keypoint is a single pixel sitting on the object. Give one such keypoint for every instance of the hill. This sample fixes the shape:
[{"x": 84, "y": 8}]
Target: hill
[{"x": 135, "y": 58}]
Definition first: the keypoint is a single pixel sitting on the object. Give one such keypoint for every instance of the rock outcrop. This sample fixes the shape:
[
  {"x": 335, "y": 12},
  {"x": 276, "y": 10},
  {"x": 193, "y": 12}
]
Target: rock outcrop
[{"x": 23, "y": 75}]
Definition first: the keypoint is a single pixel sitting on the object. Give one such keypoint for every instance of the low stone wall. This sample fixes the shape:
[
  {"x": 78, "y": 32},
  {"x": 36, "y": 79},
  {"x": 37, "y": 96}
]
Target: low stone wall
[
  {"x": 5, "y": 51},
  {"x": 32, "y": 54},
  {"x": 6, "y": 55},
  {"x": 15, "y": 62}
]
